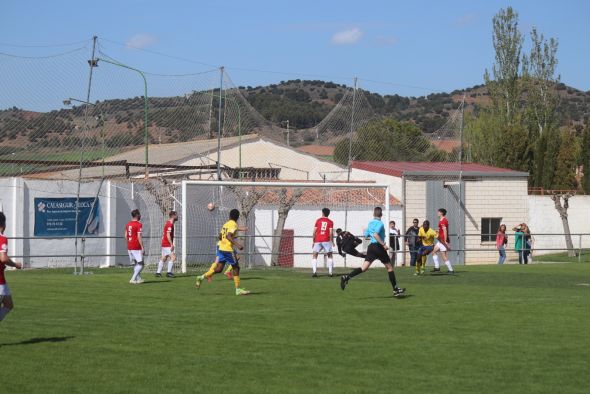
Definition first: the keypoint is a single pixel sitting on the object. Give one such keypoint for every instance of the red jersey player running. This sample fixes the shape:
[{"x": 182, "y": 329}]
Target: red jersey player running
[
  {"x": 168, "y": 246},
  {"x": 323, "y": 240},
  {"x": 135, "y": 246},
  {"x": 444, "y": 242},
  {"x": 6, "y": 303}
]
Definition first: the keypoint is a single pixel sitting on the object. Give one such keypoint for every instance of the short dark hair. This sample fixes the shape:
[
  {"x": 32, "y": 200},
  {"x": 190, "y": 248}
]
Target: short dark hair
[
  {"x": 326, "y": 212},
  {"x": 234, "y": 214},
  {"x": 338, "y": 230},
  {"x": 416, "y": 220},
  {"x": 426, "y": 223},
  {"x": 135, "y": 213},
  {"x": 392, "y": 222},
  {"x": 172, "y": 213},
  {"x": 2, "y": 219},
  {"x": 443, "y": 211},
  {"x": 377, "y": 212}
]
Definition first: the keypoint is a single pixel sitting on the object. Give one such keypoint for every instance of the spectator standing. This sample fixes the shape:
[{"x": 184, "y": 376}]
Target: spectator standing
[
  {"x": 413, "y": 241},
  {"x": 394, "y": 242},
  {"x": 501, "y": 242}
]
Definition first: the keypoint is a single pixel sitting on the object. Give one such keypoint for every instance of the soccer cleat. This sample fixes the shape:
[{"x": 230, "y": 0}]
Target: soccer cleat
[
  {"x": 435, "y": 270},
  {"x": 169, "y": 275},
  {"x": 132, "y": 282},
  {"x": 241, "y": 292},
  {"x": 398, "y": 291},
  {"x": 416, "y": 273},
  {"x": 198, "y": 282},
  {"x": 343, "y": 282},
  {"x": 314, "y": 275},
  {"x": 229, "y": 275},
  {"x": 139, "y": 281},
  {"x": 331, "y": 275},
  {"x": 451, "y": 272},
  {"x": 158, "y": 275}
]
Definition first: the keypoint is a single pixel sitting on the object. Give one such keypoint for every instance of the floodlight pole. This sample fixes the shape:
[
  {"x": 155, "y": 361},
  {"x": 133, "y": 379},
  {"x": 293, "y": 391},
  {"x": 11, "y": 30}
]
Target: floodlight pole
[
  {"x": 219, "y": 124},
  {"x": 145, "y": 110},
  {"x": 91, "y": 63},
  {"x": 461, "y": 203}
]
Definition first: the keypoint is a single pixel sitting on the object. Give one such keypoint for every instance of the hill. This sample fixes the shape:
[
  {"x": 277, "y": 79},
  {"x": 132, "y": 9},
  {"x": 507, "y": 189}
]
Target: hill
[{"x": 303, "y": 102}]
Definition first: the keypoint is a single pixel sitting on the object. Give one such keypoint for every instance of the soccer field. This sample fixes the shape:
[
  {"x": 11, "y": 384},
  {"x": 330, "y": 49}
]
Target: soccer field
[{"x": 486, "y": 329}]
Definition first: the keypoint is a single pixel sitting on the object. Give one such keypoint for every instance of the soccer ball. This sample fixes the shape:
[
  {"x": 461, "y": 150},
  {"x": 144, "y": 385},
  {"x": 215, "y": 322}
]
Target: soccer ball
[{"x": 211, "y": 206}]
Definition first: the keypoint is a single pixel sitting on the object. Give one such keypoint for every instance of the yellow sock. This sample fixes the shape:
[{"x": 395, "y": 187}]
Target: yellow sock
[
  {"x": 418, "y": 264},
  {"x": 229, "y": 268},
  {"x": 211, "y": 271},
  {"x": 237, "y": 281},
  {"x": 424, "y": 262}
]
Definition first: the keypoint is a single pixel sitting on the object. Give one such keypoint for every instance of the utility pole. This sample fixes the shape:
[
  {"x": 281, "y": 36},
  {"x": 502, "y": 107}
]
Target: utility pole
[
  {"x": 219, "y": 124},
  {"x": 91, "y": 63}
]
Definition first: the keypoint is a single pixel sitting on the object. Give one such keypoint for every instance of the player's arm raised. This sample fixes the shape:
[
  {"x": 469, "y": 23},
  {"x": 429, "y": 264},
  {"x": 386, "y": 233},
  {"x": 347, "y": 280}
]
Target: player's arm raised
[{"x": 4, "y": 259}]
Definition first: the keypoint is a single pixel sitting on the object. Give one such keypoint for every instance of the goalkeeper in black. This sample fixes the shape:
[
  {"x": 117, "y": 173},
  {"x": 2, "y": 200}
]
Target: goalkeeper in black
[{"x": 347, "y": 244}]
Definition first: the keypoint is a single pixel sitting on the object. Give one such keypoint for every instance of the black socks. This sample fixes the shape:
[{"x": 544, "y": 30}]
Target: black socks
[
  {"x": 354, "y": 273},
  {"x": 392, "y": 279}
]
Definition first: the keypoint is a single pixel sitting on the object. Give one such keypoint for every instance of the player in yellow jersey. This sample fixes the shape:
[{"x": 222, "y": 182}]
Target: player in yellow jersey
[
  {"x": 225, "y": 253},
  {"x": 427, "y": 236}
]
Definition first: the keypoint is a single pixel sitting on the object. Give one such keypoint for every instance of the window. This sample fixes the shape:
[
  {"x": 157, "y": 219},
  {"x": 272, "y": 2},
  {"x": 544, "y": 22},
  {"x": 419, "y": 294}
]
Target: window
[{"x": 489, "y": 228}]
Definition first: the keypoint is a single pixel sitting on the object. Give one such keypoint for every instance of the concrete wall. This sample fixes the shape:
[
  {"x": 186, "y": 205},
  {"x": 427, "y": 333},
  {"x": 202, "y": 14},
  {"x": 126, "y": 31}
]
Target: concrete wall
[
  {"x": 302, "y": 222},
  {"x": 544, "y": 222},
  {"x": 505, "y": 198}
]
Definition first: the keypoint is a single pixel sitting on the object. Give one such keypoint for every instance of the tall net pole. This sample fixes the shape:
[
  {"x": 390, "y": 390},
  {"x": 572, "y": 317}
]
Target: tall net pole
[
  {"x": 219, "y": 124},
  {"x": 91, "y": 64},
  {"x": 461, "y": 202}
]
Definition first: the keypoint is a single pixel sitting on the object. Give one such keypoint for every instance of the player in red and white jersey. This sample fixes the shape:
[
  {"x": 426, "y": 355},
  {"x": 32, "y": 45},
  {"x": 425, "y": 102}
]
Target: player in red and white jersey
[
  {"x": 444, "y": 242},
  {"x": 323, "y": 240},
  {"x": 6, "y": 303},
  {"x": 135, "y": 246},
  {"x": 168, "y": 246}
]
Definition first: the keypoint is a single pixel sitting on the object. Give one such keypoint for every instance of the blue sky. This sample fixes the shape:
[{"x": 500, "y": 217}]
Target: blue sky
[{"x": 417, "y": 46}]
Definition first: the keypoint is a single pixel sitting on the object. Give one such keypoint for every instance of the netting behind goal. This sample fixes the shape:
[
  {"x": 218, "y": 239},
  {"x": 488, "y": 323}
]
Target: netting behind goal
[{"x": 278, "y": 218}]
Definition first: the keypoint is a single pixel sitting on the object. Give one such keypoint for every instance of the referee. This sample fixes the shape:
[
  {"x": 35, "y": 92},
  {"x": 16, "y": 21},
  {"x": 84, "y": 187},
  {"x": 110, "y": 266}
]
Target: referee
[{"x": 377, "y": 250}]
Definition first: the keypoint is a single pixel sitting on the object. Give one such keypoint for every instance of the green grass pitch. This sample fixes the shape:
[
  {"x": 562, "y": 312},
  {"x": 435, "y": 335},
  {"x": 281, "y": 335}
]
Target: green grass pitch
[{"x": 487, "y": 329}]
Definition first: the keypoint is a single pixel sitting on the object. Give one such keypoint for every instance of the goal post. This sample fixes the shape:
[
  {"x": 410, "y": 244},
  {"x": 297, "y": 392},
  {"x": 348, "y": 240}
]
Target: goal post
[{"x": 278, "y": 217}]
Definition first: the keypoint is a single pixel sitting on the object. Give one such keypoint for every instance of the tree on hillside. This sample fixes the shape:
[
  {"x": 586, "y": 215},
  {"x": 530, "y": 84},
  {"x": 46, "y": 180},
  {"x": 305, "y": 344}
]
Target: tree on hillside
[
  {"x": 541, "y": 104},
  {"x": 505, "y": 89},
  {"x": 287, "y": 200},
  {"x": 585, "y": 159},
  {"x": 562, "y": 208},
  {"x": 387, "y": 139},
  {"x": 567, "y": 159}
]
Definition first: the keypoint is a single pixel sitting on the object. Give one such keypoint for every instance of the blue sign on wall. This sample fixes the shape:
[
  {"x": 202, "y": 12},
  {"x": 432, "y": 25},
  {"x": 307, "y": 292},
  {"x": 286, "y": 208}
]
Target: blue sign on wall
[{"x": 57, "y": 216}]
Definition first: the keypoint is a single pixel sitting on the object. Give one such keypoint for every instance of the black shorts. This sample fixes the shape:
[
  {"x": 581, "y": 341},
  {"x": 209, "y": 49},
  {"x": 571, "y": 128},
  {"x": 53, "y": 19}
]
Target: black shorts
[{"x": 377, "y": 252}]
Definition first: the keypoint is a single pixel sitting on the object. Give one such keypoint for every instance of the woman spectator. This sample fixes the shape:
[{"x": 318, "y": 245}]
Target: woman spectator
[
  {"x": 519, "y": 242},
  {"x": 501, "y": 242},
  {"x": 528, "y": 244}
]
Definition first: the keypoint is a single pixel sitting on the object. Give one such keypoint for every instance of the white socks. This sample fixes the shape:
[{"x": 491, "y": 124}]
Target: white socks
[
  {"x": 160, "y": 266},
  {"x": 3, "y": 312},
  {"x": 314, "y": 265},
  {"x": 435, "y": 259},
  {"x": 136, "y": 271},
  {"x": 330, "y": 265},
  {"x": 449, "y": 266},
  {"x": 170, "y": 266}
]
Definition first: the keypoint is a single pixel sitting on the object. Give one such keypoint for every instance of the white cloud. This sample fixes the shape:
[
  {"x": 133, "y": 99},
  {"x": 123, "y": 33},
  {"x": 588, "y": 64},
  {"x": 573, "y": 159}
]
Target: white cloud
[
  {"x": 387, "y": 41},
  {"x": 140, "y": 41},
  {"x": 347, "y": 37}
]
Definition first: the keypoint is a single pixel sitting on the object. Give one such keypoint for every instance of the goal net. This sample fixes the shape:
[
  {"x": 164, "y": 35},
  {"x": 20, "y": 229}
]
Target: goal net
[{"x": 278, "y": 218}]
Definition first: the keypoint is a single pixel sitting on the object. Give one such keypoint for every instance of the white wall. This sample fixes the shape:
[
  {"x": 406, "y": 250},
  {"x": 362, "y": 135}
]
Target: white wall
[
  {"x": 302, "y": 222},
  {"x": 544, "y": 219}
]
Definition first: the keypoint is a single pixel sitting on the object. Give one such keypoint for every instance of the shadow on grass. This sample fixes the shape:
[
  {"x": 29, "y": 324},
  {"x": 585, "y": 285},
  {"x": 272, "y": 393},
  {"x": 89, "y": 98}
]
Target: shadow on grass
[
  {"x": 404, "y": 296},
  {"x": 252, "y": 278},
  {"x": 34, "y": 341},
  {"x": 152, "y": 282}
]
